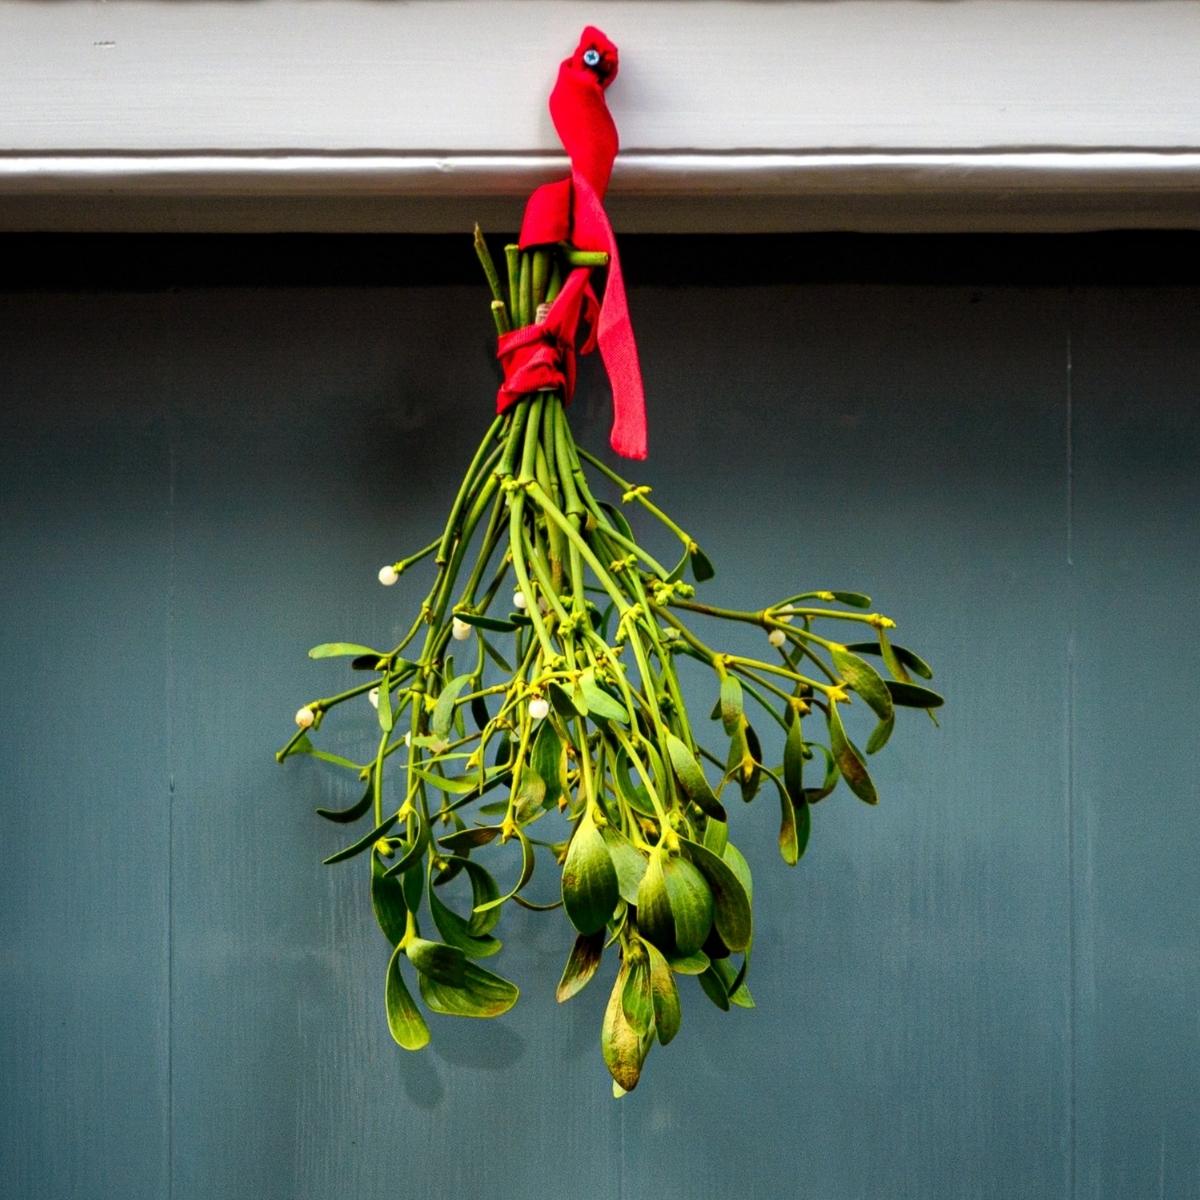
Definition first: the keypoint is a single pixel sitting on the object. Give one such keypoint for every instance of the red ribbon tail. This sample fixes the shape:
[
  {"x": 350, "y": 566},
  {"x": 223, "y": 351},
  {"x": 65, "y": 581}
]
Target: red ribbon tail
[
  {"x": 619, "y": 352},
  {"x": 618, "y": 348}
]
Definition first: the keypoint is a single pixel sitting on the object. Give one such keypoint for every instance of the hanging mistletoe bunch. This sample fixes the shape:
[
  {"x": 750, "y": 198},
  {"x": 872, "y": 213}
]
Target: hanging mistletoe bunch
[{"x": 533, "y": 714}]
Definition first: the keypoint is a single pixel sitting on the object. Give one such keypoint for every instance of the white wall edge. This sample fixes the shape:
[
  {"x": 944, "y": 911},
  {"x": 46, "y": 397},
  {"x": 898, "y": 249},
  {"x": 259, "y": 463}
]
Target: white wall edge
[
  {"x": 685, "y": 191},
  {"x": 670, "y": 173},
  {"x": 735, "y": 115}
]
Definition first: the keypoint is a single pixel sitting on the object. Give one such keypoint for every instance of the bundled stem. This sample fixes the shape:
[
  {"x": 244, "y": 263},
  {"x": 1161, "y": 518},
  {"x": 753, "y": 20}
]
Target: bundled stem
[{"x": 575, "y": 707}]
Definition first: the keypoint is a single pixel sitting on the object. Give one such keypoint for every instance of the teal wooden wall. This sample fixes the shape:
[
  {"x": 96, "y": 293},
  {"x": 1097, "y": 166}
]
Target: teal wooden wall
[{"x": 987, "y": 987}]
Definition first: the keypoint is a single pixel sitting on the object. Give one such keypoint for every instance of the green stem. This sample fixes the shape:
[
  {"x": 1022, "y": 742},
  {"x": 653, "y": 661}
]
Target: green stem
[
  {"x": 545, "y": 580},
  {"x": 377, "y": 779},
  {"x": 583, "y": 258},
  {"x": 512, "y": 257},
  {"x": 491, "y": 539},
  {"x": 404, "y": 563},
  {"x": 467, "y": 489},
  {"x": 451, "y": 573},
  {"x": 525, "y": 292},
  {"x": 557, "y": 516},
  {"x": 572, "y": 504},
  {"x": 544, "y": 473},
  {"x": 541, "y": 274},
  {"x": 717, "y": 660},
  {"x": 493, "y": 279},
  {"x": 647, "y": 782},
  {"x": 516, "y": 439},
  {"x": 876, "y": 619},
  {"x": 638, "y": 493}
]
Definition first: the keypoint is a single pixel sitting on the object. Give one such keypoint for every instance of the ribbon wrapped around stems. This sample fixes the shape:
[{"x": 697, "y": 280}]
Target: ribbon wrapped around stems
[
  {"x": 572, "y": 210},
  {"x": 543, "y": 356}
]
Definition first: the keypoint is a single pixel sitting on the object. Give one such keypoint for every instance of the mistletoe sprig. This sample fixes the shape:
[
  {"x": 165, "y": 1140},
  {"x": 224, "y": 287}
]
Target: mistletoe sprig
[{"x": 541, "y": 676}]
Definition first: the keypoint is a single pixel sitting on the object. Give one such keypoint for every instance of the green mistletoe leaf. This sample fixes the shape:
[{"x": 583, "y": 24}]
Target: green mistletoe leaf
[
  {"x": 404, "y": 1019},
  {"x": 589, "y": 880},
  {"x": 479, "y": 994},
  {"x": 731, "y": 903},
  {"x": 849, "y": 760},
  {"x": 582, "y": 964}
]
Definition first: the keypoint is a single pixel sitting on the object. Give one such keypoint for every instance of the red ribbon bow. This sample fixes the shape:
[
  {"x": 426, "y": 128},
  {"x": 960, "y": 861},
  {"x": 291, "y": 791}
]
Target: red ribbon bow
[{"x": 573, "y": 210}]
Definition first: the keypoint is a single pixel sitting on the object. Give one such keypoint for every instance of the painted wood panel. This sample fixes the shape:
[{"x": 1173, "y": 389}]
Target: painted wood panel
[
  {"x": 339, "y": 450},
  {"x": 1136, "y": 552},
  {"x": 926, "y": 467},
  {"x": 983, "y": 988},
  {"x": 469, "y": 76},
  {"x": 85, "y": 783}
]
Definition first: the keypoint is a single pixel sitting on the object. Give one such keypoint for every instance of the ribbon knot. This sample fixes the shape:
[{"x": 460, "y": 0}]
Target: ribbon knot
[{"x": 539, "y": 357}]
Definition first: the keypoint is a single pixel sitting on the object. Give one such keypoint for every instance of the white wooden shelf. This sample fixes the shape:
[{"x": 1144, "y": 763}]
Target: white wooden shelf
[{"x": 376, "y": 115}]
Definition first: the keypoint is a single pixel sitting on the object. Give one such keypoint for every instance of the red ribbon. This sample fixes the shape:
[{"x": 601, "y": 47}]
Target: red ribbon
[
  {"x": 543, "y": 356},
  {"x": 572, "y": 210}
]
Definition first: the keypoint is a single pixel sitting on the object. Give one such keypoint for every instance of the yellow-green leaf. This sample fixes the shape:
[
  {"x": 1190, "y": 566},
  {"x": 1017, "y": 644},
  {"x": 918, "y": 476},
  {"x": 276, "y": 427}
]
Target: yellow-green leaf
[
  {"x": 405, "y": 1022},
  {"x": 731, "y": 904},
  {"x": 624, "y": 1051},
  {"x": 589, "y": 879},
  {"x": 582, "y": 963},
  {"x": 545, "y": 759},
  {"x": 692, "y": 964},
  {"x": 628, "y": 861},
  {"x": 880, "y": 734},
  {"x": 864, "y": 679},
  {"x": 849, "y": 760},
  {"x": 675, "y": 906},
  {"x": 714, "y": 989},
  {"x": 910, "y": 695},
  {"x": 732, "y": 704},
  {"x": 364, "y": 843},
  {"x": 599, "y": 702},
  {"x": 387, "y": 901},
  {"x": 734, "y": 983},
  {"x": 446, "y": 964},
  {"x": 716, "y": 835},
  {"x": 665, "y": 995},
  {"x": 345, "y": 816},
  {"x": 457, "y": 930},
  {"x": 793, "y": 759},
  {"x": 443, "y": 710},
  {"x": 692, "y": 779},
  {"x": 480, "y": 994},
  {"x": 637, "y": 1002},
  {"x": 343, "y": 650},
  {"x": 904, "y": 657}
]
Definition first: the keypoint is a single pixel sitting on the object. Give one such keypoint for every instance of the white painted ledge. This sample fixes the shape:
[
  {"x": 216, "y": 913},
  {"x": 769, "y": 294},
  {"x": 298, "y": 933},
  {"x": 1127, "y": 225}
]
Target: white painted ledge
[
  {"x": 735, "y": 116},
  {"x": 1043, "y": 191}
]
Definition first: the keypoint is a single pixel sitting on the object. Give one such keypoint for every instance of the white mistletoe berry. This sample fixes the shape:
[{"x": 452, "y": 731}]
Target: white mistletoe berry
[
  {"x": 776, "y": 637},
  {"x": 305, "y": 717},
  {"x": 388, "y": 575},
  {"x": 459, "y": 630},
  {"x": 373, "y": 696},
  {"x": 539, "y": 708},
  {"x": 786, "y": 614},
  {"x": 519, "y": 600}
]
